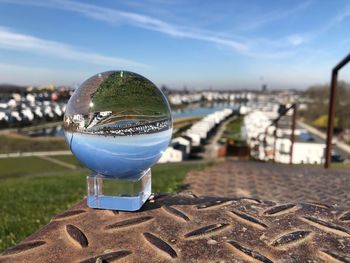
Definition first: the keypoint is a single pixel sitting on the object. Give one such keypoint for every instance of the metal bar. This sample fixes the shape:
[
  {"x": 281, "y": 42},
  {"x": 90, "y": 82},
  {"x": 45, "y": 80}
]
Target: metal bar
[
  {"x": 292, "y": 137},
  {"x": 342, "y": 63},
  {"x": 331, "y": 109},
  {"x": 331, "y": 115},
  {"x": 281, "y": 115}
]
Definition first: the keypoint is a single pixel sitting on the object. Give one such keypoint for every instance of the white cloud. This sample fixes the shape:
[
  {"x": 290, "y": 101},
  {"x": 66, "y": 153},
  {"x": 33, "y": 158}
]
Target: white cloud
[
  {"x": 328, "y": 25},
  {"x": 260, "y": 48},
  {"x": 268, "y": 18},
  {"x": 341, "y": 16},
  {"x": 17, "y": 41},
  {"x": 296, "y": 40},
  {"x": 114, "y": 16}
]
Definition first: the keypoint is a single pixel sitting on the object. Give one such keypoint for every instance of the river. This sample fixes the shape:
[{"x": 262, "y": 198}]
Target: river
[{"x": 193, "y": 110}]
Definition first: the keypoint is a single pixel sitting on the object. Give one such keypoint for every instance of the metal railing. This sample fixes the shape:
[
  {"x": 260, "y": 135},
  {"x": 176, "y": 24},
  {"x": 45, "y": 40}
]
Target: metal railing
[{"x": 331, "y": 109}]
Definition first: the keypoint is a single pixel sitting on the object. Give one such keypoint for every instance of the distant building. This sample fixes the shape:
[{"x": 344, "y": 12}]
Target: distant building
[
  {"x": 171, "y": 155},
  {"x": 304, "y": 150},
  {"x": 268, "y": 143},
  {"x": 182, "y": 144}
]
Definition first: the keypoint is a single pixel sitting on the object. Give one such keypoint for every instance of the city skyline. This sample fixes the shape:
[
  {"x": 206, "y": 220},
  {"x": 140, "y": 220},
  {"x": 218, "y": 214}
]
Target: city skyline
[{"x": 198, "y": 44}]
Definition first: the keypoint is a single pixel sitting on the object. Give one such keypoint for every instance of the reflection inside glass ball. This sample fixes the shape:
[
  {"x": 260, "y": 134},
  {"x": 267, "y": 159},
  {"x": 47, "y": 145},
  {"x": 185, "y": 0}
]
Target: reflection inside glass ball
[{"x": 118, "y": 124}]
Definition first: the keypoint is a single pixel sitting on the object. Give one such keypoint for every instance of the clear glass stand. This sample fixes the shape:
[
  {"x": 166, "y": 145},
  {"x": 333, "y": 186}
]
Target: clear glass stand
[{"x": 118, "y": 194}]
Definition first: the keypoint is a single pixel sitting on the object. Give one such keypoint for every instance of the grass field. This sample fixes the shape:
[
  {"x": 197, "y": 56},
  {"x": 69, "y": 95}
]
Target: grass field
[
  {"x": 16, "y": 143},
  {"x": 33, "y": 190},
  {"x": 233, "y": 129},
  {"x": 344, "y": 165},
  {"x": 19, "y": 167}
]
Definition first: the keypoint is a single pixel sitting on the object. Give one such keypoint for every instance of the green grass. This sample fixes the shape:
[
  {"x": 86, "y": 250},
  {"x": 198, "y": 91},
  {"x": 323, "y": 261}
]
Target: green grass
[
  {"x": 10, "y": 144},
  {"x": 233, "y": 132},
  {"x": 233, "y": 129},
  {"x": 27, "y": 166},
  {"x": 345, "y": 165},
  {"x": 32, "y": 192},
  {"x": 130, "y": 92},
  {"x": 334, "y": 165},
  {"x": 28, "y": 203}
]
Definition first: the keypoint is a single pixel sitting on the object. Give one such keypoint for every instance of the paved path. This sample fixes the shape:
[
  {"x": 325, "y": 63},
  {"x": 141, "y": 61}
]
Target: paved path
[
  {"x": 59, "y": 162},
  {"x": 30, "y": 128},
  {"x": 211, "y": 150},
  {"x": 29, "y": 154},
  {"x": 298, "y": 183},
  {"x": 344, "y": 148}
]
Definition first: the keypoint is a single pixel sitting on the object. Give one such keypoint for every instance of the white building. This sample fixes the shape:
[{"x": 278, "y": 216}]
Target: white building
[
  {"x": 171, "y": 155},
  {"x": 180, "y": 147},
  {"x": 182, "y": 144},
  {"x": 304, "y": 151},
  {"x": 262, "y": 138},
  {"x": 195, "y": 138}
]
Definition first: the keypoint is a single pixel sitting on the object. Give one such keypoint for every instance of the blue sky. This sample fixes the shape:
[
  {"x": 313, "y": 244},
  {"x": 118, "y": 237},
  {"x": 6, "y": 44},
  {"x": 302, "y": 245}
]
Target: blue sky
[{"x": 199, "y": 43}]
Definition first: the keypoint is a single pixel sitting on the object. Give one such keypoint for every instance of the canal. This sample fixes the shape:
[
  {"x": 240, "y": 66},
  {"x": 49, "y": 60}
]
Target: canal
[{"x": 194, "y": 110}]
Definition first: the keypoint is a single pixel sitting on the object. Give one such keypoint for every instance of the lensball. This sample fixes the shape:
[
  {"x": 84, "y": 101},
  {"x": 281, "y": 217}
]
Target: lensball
[{"x": 118, "y": 124}]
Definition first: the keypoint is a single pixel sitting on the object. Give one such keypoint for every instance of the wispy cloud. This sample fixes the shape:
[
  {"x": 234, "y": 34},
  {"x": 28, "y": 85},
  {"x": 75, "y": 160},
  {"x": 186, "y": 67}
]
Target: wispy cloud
[
  {"x": 296, "y": 39},
  {"x": 114, "y": 16},
  {"x": 345, "y": 13},
  {"x": 247, "y": 46},
  {"x": 268, "y": 18},
  {"x": 17, "y": 41},
  {"x": 334, "y": 21}
]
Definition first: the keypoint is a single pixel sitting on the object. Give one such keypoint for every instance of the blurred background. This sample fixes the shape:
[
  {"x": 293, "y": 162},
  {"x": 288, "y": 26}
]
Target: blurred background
[{"x": 245, "y": 80}]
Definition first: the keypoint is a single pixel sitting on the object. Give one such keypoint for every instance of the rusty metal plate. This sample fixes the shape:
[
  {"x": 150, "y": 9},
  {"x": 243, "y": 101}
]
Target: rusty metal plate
[
  {"x": 187, "y": 228},
  {"x": 297, "y": 183}
]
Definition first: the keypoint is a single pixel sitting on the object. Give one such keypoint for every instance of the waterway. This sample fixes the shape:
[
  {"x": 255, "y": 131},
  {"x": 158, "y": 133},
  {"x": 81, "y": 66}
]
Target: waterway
[{"x": 193, "y": 110}]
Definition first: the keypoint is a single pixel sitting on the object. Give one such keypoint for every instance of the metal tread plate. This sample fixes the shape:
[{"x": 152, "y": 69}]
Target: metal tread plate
[
  {"x": 270, "y": 181},
  {"x": 187, "y": 228}
]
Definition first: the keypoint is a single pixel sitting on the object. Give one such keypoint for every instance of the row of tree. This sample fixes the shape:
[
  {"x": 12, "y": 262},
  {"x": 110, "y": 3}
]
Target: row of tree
[{"x": 317, "y": 100}]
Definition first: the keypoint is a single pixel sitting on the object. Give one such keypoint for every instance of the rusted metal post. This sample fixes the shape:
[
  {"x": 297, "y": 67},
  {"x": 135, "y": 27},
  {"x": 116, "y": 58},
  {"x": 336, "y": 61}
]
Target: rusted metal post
[
  {"x": 331, "y": 109},
  {"x": 331, "y": 115},
  {"x": 292, "y": 136}
]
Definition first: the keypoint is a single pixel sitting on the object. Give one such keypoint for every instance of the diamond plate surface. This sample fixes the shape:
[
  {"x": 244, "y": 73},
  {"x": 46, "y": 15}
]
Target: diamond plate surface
[
  {"x": 273, "y": 182},
  {"x": 186, "y": 228},
  {"x": 310, "y": 222}
]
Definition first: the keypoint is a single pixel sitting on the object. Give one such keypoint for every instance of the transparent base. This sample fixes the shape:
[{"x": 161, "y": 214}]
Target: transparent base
[{"x": 118, "y": 194}]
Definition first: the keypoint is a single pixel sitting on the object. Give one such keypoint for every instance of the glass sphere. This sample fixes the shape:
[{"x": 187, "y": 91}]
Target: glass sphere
[{"x": 118, "y": 124}]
